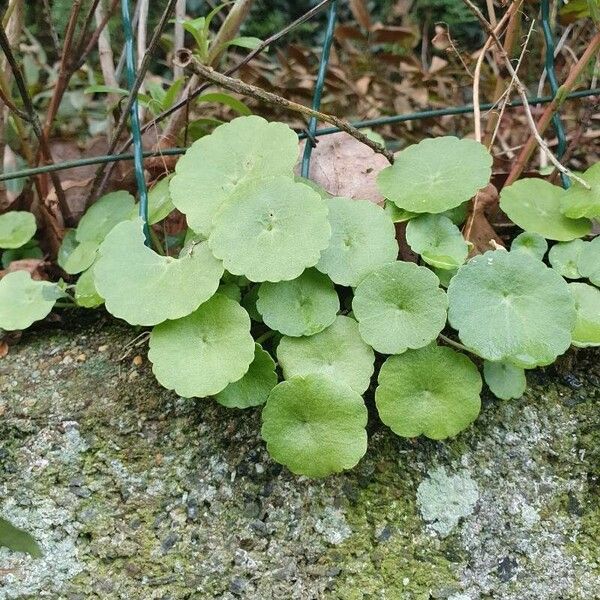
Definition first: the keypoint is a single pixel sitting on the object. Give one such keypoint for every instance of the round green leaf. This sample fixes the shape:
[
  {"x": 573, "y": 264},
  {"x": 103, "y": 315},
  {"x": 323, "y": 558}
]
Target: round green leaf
[
  {"x": 436, "y": 174},
  {"x": 255, "y": 386},
  {"x": 433, "y": 391},
  {"x": 231, "y": 290},
  {"x": 75, "y": 258},
  {"x": 510, "y": 306},
  {"x": 314, "y": 186},
  {"x": 86, "y": 294},
  {"x": 504, "y": 380},
  {"x": 17, "y": 227},
  {"x": 303, "y": 306},
  {"x": 315, "y": 426},
  {"x": 588, "y": 262},
  {"x": 24, "y": 300},
  {"x": 459, "y": 214},
  {"x": 399, "y": 306},
  {"x": 338, "y": 352},
  {"x": 531, "y": 243},
  {"x": 249, "y": 300},
  {"x": 271, "y": 230},
  {"x": 103, "y": 215},
  {"x": 438, "y": 240},
  {"x": 201, "y": 354},
  {"x": 216, "y": 165},
  {"x": 587, "y": 305},
  {"x": 29, "y": 250},
  {"x": 160, "y": 204},
  {"x": 444, "y": 275},
  {"x": 534, "y": 205},
  {"x": 579, "y": 202},
  {"x": 398, "y": 215},
  {"x": 564, "y": 256},
  {"x": 363, "y": 237},
  {"x": 145, "y": 288}
]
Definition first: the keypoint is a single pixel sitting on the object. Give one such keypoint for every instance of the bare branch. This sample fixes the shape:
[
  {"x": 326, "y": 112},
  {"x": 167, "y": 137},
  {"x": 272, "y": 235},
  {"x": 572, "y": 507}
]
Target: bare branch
[
  {"x": 93, "y": 39},
  {"x": 477, "y": 74},
  {"x": 572, "y": 79},
  {"x": 229, "y": 29},
  {"x": 511, "y": 85},
  {"x": 179, "y": 33},
  {"x": 523, "y": 93},
  {"x": 188, "y": 95},
  {"x": 186, "y": 59},
  {"x": 33, "y": 119},
  {"x": 99, "y": 183}
]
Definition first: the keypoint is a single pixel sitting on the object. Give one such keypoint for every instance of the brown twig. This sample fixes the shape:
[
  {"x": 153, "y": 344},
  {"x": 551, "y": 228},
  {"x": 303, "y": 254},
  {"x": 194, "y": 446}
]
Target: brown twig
[
  {"x": 510, "y": 86},
  {"x": 90, "y": 44},
  {"x": 89, "y": 18},
  {"x": 48, "y": 18},
  {"x": 477, "y": 73},
  {"x": 63, "y": 72},
  {"x": 523, "y": 93},
  {"x": 186, "y": 59},
  {"x": 31, "y": 116},
  {"x": 510, "y": 36},
  {"x": 546, "y": 118},
  {"x": 101, "y": 182},
  {"x": 233, "y": 69},
  {"x": 12, "y": 108}
]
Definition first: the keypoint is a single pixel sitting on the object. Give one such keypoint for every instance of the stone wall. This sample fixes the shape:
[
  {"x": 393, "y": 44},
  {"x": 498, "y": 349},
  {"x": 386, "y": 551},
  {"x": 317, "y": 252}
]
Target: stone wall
[{"x": 134, "y": 493}]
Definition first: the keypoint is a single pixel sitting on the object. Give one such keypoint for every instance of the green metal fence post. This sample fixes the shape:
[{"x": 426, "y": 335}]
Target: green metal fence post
[
  {"x": 551, "y": 74},
  {"x": 316, "y": 103},
  {"x": 135, "y": 118}
]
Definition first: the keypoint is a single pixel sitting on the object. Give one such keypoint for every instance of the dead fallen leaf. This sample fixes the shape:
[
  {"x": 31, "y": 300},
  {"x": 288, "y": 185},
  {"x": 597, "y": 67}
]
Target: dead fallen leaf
[
  {"x": 362, "y": 85},
  {"x": 389, "y": 34},
  {"x": 437, "y": 64},
  {"x": 477, "y": 229},
  {"x": 76, "y": 192},
  {"x": 361, "y": 13},
  {"x": 76, "y": 181},
  {"x": 3, "y": 348},
  {"x": 344, "y": 166},
  {"x": 441, "y": 39},
  {"x": 34, "y": 266},
  {"x": 349, "y": 32}
]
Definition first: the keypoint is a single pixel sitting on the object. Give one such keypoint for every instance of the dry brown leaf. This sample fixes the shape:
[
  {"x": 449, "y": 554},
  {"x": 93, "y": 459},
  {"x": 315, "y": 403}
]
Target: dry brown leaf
[
  {"x": 437, "y": 64},
  {"x": 3, "y": 348},
  {"x": 389, "y": 34},
  {"x": 362, "y": 85},
  {"x": 76, "y": 192},
  {"x": 441, "y": 40},
  {"x": 361, "y": 13},
  {"x": 477, "y": 229},
  {"x": 34, "y": 266},
  {"x": 346, "y": 167},
  {"x": 349, "y": 32}
]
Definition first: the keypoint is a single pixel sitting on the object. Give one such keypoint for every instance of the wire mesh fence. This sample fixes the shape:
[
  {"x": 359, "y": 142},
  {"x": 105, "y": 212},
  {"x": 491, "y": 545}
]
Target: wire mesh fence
[{"x": 312, "y": 131}]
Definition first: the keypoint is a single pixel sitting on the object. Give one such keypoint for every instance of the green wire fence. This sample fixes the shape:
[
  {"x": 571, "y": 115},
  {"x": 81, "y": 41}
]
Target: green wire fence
[
  {"x": 138, "y": 154},
  {"x": 312, "y": 132},
  {"x": 551, "y": 75}
]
